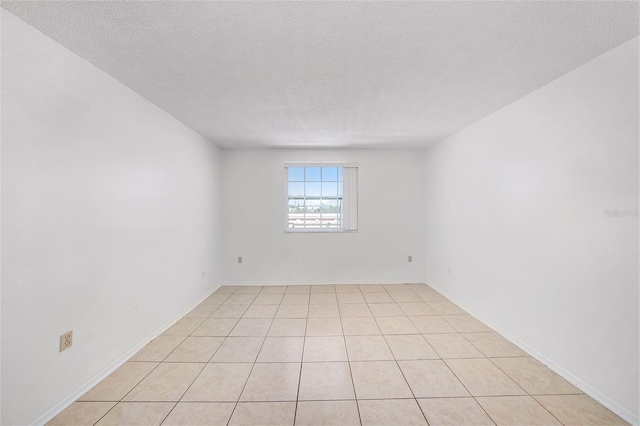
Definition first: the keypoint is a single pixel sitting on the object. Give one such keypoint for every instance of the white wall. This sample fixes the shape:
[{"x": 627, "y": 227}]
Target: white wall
[
  {"x": 109, "y": 218},
  {"x": 390, "y": 220},
  {"x": 516, "y": 231}
]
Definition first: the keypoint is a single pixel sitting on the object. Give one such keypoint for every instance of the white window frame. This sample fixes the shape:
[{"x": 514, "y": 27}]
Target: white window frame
[{"x": 352, "y": 194}]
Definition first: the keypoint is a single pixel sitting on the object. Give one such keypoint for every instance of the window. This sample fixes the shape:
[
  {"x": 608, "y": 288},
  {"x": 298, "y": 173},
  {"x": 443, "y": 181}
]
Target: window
[{"x": 321, "y": 197}]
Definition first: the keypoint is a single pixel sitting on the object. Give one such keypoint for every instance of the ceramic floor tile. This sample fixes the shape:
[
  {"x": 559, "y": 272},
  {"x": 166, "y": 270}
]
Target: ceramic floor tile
[
  {"x": 183, "y": 327},
  {"x": 516, "y": 410},
  {"x": 350, "y": 297},
  {"x": 465, "y": 323},
  {"x": 377, "y": 297},
  {"x": 579, "y": 410},
  {"x": 431, "y": 379},
  {"x": 397, "y": 287},
  {"x": 261, "y": 311},
  {"x": 367, "y": 348},
  {"x": 446, "y": 308},
  {"x": 404, "y": 296},
  {"x": 323, "y": 298},
  {"x": 281, "y": 349},
  {"x": 115, "y": 386},
  {"x": 264, "y": 414},
  {"x": 274, "y": 289},
  {"x": 396, "y": 325},
  {"x": 452, "y": 346},
  {"x": 327, "y": 413},
  {"x": 407, "y": 347},
  {"x": 238, "y": 349},
  {"x": 431, "y": 324},
  {"x": 292, "y": 311},
  {"x": 195, "y": 349},
  {"x": 285, "y": 327},
  {"x": 251, "y": 327},
  {"x": 298, "y": 289},
  {"x": 386, "y": 310},
  {"x": 323, "y": 288},
  {"x": 324, "y": 311},
  {"x": 295, "y": 299},
  {"x": 347, "y": 288},
  {"x": 325, "y": 381},
  {"x": 227, "y": 289},
  {"x": 493, "y": 345},
  {"x": 482, "y": 378},
  {"x": 229, "y": 311},
  {"x": 391, "y": 412},
  {"x": 534, "y": 377},
  {"x": 229, "y": 380},
  {"x": 371, "y": 288},
  {"x": 354, "y": 310},
  {"x": 416, "y": 308},
  {"x": 272, "y": 382},
  {"x": 430, "y": 295},
  {"x": 215, "y": 327},
  {"x": 324, "y": 349},
  {"x": 158, "y": 349},
  {"x": 360, "y": 326},
  {"x": 137, "y": 413},
  {"x": 82, "y": 413},
  {"x": 249, "y": 289},
  {"x": 268, "y": 299},
  {"x": 240, "y": 299},
  {"x": 202, "y": 310},
  {"x": 167, "y": 382},
  {"x": 200, "y": 414},
  {"x": 216, "y": 298},
  {"x": 454, "y": 412},
  {"x": 379, "y": 380},
  {"x": 324, "y": 327}
]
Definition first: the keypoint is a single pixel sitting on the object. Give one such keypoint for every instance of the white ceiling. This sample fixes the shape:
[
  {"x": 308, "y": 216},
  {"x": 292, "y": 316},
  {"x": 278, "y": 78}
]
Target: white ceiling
[{"x": 333, "y": 74}]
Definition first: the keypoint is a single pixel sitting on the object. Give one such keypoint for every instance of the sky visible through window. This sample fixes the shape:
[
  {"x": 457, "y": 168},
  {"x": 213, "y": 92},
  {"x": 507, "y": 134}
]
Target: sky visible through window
[{"x": 314, "y": 197}]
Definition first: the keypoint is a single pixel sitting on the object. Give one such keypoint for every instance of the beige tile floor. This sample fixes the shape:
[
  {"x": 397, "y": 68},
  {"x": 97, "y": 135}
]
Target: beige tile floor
[{"x": 333, "y": 355}]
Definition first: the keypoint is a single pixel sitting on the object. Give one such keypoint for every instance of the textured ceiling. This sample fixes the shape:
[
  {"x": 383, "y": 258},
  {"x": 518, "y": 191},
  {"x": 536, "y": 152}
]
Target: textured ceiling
[{"x": 328, "y": 74}]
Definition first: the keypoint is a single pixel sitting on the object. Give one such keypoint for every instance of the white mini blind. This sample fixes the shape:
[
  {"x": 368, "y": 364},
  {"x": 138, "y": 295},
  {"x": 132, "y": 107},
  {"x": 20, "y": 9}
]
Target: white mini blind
[{"x": 350, "y": 198}]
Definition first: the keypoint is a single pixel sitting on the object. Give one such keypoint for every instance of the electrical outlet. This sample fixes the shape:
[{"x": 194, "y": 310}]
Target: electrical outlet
[
  {"x": 239, "y": 259},
  {"x": 66, "y": 340},
  {"x": 410, "y": 259}
]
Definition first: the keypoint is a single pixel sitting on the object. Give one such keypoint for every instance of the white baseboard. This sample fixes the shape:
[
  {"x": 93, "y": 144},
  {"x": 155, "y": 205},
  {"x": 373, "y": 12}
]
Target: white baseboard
[
  {"x": 271, "y": 283},
  {"x": 59, "y": 407},
  {"x": 576, "y": 381}
]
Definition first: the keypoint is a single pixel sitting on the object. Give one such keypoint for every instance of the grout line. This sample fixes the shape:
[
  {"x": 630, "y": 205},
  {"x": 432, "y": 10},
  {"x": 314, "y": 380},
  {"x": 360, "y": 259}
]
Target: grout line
[
  {"x": 346, "y": 351},
  {"x": 250, "y": 371}
]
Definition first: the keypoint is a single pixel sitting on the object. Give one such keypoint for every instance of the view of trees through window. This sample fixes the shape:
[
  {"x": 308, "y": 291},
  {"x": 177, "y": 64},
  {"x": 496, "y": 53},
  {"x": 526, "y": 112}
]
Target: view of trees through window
[{"x": 314, "y": 197}]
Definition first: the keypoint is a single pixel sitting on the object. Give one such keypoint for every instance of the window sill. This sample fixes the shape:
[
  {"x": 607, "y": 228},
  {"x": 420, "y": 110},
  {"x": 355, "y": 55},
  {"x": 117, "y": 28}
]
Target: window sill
[{"x": 318, "y": 231}]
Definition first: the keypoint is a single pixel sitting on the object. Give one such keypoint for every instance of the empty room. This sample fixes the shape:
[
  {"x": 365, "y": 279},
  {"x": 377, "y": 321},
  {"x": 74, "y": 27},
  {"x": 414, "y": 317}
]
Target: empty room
[{"x": 319, "y": 213}]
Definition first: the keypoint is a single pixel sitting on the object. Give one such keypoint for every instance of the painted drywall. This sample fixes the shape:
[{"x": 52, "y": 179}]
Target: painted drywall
[
  {"x": 390, "y": 220},
  {"x": 110, "y": 213},
  {"x": 517, "y": 230}
]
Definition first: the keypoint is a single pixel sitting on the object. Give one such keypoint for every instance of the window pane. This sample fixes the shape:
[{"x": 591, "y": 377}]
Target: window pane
[
  {"x": 296, "y": 173},
  {"x": 312, "y": 174},
  {"x": 329, "y": 173},
  {"x": 312, "y": 206},
  {"x": 340, "y": 173},
  {"x": 296, "y": 206},
  {"x": 296, "y": 189},
  {"x": 329, "y": 189},
  {"x": 312, "y": 189},
  {"x": 330, "y": 206}
]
